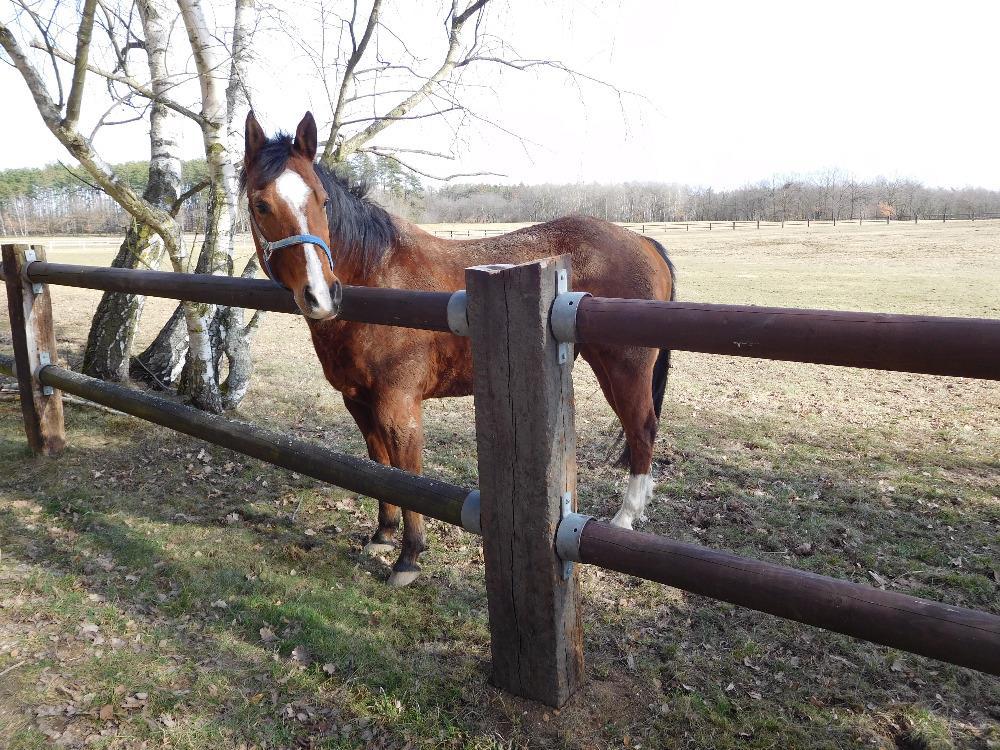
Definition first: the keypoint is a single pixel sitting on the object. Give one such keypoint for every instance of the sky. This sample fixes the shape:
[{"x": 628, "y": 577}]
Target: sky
[{"x": 717, "y": 93}]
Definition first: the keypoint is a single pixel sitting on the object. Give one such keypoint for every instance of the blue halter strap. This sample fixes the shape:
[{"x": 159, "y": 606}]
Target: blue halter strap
[{"x": 267, "y": 249}]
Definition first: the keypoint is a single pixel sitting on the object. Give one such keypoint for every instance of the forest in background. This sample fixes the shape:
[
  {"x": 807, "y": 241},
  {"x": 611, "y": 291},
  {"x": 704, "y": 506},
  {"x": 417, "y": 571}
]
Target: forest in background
[{"x": 57, "y": 200}]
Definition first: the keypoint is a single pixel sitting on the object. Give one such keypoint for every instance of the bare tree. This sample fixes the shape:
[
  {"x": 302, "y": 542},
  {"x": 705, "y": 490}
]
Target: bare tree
[
  {"x": 207, "y": 335},
  {"x": 370, "y": 90},
  {"x": 112, "y": 332}
]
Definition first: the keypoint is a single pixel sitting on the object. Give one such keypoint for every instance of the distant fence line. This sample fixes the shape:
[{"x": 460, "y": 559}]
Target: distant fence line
[
  {"x": 85, "y": 242},
  {"x": 650, "y": 227}
]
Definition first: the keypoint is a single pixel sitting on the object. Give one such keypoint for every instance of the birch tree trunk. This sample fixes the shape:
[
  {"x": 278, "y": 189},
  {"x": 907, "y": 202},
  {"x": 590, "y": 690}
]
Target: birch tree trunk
[
  {"x": 226, "y": 334},
  {"x": 116, "y": 321},
  {"x": 235, "y": 336}
]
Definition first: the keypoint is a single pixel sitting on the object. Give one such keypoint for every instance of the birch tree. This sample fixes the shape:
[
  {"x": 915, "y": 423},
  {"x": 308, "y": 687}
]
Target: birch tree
[
  {"x": 207, "y": 333},
  {"x": 113, "y": 329}
]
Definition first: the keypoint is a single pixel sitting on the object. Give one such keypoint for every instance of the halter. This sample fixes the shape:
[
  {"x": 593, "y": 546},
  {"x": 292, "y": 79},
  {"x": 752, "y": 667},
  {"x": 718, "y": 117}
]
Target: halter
[{"x": 267, "y": 249}]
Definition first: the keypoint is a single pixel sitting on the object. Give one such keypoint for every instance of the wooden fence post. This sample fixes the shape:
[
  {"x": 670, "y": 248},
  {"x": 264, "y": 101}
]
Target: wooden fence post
[
  {"x": 30, "y": 308},
  {"x": 527, "y": 465}
]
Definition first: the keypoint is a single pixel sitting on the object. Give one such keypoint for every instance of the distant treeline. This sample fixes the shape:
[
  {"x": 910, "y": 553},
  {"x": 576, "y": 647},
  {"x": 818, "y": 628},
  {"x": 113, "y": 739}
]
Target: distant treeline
[
  {"x": 825, "y": 196},
  {"x": 54, "y": 200}
]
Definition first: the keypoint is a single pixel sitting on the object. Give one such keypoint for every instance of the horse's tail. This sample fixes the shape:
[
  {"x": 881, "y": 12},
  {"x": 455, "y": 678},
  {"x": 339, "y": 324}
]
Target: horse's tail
[{"x": 661, "y": 369}]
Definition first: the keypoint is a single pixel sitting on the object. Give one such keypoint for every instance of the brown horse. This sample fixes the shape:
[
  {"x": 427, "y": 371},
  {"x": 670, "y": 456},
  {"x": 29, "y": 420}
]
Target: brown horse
[{"x": 385, "y": 373}]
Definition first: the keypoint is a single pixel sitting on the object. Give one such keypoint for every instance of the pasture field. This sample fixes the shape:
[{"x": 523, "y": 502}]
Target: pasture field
[{"x": 155, "y": 592}]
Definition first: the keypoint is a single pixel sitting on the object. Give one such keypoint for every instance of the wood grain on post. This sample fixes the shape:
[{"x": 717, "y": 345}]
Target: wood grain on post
[
  {"x": 527, "y": 461},
  {"x": 34, "y": 341}
]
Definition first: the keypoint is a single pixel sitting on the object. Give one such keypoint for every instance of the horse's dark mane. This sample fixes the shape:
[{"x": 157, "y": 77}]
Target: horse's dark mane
[{"x": 362, "y": 233}]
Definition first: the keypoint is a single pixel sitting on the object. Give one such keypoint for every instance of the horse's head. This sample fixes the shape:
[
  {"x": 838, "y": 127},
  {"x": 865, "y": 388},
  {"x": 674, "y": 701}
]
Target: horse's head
[{"x": 288, "y": 216}]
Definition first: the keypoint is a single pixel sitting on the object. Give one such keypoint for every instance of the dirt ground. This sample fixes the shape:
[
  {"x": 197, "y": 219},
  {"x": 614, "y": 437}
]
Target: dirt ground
[{"x": 157, "y": 592}]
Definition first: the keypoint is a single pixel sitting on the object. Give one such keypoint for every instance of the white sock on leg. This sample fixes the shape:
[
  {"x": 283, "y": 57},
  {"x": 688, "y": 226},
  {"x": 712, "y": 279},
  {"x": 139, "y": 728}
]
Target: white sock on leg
[{"x": 634, "y": 503}]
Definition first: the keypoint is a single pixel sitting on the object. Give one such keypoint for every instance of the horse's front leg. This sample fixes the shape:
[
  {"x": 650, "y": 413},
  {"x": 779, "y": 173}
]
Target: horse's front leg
[
  {"x": 388, "y": 514},
  {"x": 399, "y": 421}
]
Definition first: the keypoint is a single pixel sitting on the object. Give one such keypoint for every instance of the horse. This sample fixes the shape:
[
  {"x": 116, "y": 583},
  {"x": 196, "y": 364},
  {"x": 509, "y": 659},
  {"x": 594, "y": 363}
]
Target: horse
[{"x": 385, "y": 373}]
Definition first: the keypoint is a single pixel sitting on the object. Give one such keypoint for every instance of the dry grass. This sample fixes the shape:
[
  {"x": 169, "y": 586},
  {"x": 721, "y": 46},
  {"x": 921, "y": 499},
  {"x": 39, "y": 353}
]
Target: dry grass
[{"x": 116, "y": 557}]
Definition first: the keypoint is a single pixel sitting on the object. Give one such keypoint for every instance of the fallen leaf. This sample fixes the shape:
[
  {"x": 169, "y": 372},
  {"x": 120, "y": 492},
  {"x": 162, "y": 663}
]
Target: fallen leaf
[
  {"x": 301, "y": 655},
  {"x": 267, "y": 635},
  {"x": 330, "y": 668},
  {"x": 220, "y": 604},
  {"x": 877, "y": 578},
  {"x": 107, "y": 711}
]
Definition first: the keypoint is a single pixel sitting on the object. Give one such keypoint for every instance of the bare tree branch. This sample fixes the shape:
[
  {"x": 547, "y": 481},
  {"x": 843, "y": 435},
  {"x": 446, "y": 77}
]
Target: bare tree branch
[
  {"x": 356, "y": 141},
  {"x": 189, "y": 193},
  {"x": 161, "y": 222},
  {"x": 435, "y": 113},
  {"x": 44, "y": 31},
  {"x": 80, "y": 178},
  {"x": 80, "y": 65},
  {"x": 443, "y": 178},
  {"x": 133, "y": 84},
  {"x": 347, "y": 81},
  {"x": 423, "y": 152}
]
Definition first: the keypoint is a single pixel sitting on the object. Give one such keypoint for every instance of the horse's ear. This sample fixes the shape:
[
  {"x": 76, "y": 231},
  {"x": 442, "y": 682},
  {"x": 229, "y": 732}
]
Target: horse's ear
[
  {"x": 255, "y": 139},
  {"x": 305, "y": 137}
]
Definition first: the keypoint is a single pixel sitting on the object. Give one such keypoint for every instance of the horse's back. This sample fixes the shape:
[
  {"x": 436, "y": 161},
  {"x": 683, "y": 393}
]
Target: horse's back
[{"x": 607, "y": 260}]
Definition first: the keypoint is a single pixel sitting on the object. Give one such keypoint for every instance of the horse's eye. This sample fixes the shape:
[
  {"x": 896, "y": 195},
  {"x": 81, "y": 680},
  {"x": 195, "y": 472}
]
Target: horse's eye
[
  {"x": 261, "y": 207},
  {"x": 326, "y": 203}
]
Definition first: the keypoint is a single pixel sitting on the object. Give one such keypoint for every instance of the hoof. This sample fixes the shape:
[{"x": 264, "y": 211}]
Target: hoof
[
  {"x": 377, "y": 548},
  {"x": 400, "y": 578},
  {"x": 622, "y": 522}
]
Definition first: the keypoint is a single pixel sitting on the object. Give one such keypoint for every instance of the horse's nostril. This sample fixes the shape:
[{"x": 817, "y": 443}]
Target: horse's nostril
[{"x": 310, "y": 297}]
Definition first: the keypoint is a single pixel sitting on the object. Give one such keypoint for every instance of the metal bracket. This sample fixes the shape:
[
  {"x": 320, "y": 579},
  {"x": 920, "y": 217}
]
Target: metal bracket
[
  {"x": 564, "y": 310},
  {"x": 471, "y": 519},
  {"x": 458, "y": 313},
  {"x": 44, "y": 360},
  {"x": 568, "y": 535},
  {"x": 562, "y": 286},
  {"x": 29, "y": 258}
]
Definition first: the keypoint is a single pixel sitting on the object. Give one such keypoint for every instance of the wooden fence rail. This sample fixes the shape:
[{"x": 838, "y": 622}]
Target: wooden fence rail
[
  {"x": 961, "y": 347},
  {"x": 953, "y": 634},
  {"x": 425, "y": 495},
  {"x": 523, "y": 320}
]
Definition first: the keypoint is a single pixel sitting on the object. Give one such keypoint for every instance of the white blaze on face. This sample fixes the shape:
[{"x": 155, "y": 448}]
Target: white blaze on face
[{"x": 292, "y": 189}]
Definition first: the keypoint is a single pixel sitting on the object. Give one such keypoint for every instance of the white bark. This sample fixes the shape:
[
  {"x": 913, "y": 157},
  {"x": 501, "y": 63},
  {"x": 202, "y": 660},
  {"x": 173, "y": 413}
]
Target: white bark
[
  {"x": 219, "y": 109},
  {"x": 161, "y": 221}
]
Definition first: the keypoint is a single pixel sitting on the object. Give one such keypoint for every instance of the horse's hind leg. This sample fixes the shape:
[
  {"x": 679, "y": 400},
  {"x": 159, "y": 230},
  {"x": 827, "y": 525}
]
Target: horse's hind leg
[
  {"x": 625, "y": 376},
  {"x": 398, "y": 420},
  {"x": 388, "y": 515}
]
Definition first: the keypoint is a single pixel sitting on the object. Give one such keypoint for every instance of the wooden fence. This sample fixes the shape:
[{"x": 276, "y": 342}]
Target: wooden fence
[{"x": 523, "y": 321}]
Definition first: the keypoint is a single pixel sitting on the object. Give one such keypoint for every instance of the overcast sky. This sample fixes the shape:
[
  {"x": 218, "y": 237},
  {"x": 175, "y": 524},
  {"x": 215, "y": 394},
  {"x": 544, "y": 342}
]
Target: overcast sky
[{"x": 726, "y": 93}]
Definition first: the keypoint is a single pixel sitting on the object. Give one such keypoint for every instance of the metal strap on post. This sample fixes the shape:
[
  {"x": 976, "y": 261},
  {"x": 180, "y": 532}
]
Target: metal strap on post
[
  {"x": 563, "y": 318},
  {"x": 29, "y": 258},
  {"x": 458, "y": 313},
  {"x": 471, "y": 520},
  {"x": 568, "y": 535}
]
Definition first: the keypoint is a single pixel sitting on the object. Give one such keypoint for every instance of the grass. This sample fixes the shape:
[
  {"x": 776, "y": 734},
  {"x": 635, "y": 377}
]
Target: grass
[{"x": 158, "y": 592}]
